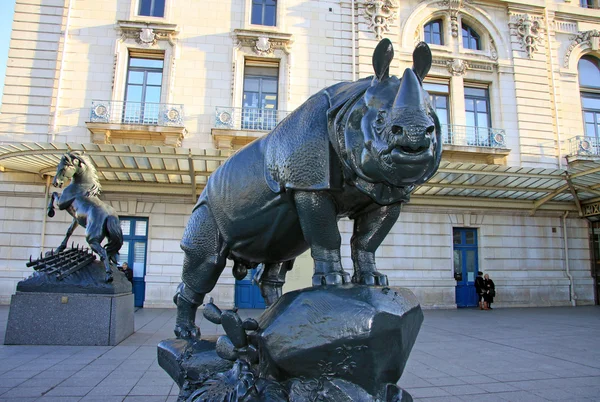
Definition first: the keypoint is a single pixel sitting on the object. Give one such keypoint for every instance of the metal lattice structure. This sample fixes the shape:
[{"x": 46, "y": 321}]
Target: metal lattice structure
[{"x": 64, "y": 263}]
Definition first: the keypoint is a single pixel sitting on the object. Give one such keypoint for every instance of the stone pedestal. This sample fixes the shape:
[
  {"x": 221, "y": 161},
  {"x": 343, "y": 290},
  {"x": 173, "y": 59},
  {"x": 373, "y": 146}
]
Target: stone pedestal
[{"x": 37, "y": 318}]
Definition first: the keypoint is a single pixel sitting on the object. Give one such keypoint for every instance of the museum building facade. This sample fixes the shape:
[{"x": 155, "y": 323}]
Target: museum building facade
[{"x": 160, "y": 92}]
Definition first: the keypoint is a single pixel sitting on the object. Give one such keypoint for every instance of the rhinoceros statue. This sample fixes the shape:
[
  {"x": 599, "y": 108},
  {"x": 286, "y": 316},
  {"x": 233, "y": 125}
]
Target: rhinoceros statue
[{"x": 355, "y": 149}]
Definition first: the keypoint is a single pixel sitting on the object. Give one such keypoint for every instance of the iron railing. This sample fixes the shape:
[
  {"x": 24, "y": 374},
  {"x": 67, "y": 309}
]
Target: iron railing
[
  {"x": 584, "y": 146},
  {"x": 125, "y": 112},
  {"x": 247, "y": 118},
  {"x": 486, "y": 137}
]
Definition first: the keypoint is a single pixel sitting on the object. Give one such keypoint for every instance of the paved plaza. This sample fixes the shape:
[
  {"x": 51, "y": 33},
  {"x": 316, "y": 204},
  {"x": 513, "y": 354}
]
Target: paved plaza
[{"x": 534, "y": 354}]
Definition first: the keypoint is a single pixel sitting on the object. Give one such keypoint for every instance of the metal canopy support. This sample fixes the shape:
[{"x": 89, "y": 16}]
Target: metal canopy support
[
  {"x": 192, "y": 176},
  {"x": 574, "y": 194},
  {"x": 537, "y": 204}
]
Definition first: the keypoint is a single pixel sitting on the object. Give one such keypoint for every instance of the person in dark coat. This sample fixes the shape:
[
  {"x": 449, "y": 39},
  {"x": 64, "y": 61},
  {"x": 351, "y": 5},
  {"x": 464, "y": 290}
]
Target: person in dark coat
[
  {"x": 127, "y": 271},
  {"x": 479, "y": 288},
  {"x": 489, "y": 292}
]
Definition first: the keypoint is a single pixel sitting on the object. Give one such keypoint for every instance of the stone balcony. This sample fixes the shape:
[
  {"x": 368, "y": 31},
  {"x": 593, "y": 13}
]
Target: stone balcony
[
  {"x": 474, "y": 144},
  {"x": 237, "y": 126},
  {"x": 582, "y": 148},
  {"x": 124, "y": 122}
]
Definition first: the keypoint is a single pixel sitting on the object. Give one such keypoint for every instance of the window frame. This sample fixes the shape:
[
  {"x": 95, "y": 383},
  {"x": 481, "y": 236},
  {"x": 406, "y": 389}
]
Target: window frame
[
  {"x": 431, "y": 23},
  {"x": 152, "y": 8},
  {"x": 589, "y": 92},
  {"x": 260, "y": 117},
  {"x": 433, "y": 95},
  {"x": 477, "y": 137},
  {"x": 145, "y": 70},
  {"x": 471, "y": 34},
  {"x": 263, "y": 5}
]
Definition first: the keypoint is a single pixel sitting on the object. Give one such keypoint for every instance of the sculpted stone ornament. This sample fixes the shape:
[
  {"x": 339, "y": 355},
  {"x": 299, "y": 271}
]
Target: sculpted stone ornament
[
  {"x": 355, "y": 149},
  {"x": 80, "y": 200},
  {"x": 380, "y": 15}
]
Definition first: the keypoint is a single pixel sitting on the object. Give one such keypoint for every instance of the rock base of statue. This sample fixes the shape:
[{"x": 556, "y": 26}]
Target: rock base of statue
[
  {"x": 347, "y": 343},
  {"x": 79, "y": 310}
]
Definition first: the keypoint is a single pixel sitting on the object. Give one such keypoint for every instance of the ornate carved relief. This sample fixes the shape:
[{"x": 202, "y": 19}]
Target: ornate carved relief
[
  {"x": 380, "y": 14},
  {"x": 457, "y": 66},
  {"x": 453, "y": 7},
  {"x": 493, "y": 50},
  {"x": 590, "y": 38},
  {"x": 528, "y": 30},
  {"x": 262, "y": 43},
  {"x": 145, "y": 35}
]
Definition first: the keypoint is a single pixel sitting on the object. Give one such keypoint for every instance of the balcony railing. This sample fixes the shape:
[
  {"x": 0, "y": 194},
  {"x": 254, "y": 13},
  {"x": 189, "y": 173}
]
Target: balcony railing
[
  {"x": 584, "y": 146},
  {"x": 244, "y": 118},
  {"x": 148, "y": 114},
  {"x": 486, "y": 137}
]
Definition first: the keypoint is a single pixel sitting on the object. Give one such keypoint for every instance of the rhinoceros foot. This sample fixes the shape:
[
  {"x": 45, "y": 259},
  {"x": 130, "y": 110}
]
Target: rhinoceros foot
[
  {"x": 187, "y": 330},
  {"x": 372, "y": 278},
  {"x": 329, "y": 273}
]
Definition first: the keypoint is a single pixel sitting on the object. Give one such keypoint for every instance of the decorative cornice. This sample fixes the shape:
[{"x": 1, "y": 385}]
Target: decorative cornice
[
  {"x": 457, "y": 66},
  {"x": 590, "y": 38},
  {"x": 461, "y": 66},
  {"x": 261, "y": 42},
  {"x": 380, "y": 14},
  {"x": 528, "y": 30},
  {"x": 147, "y": 34}
]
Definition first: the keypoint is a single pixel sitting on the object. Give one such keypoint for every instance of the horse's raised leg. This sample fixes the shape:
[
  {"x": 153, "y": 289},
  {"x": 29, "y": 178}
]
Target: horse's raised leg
[
  {"x": 272, "y": 281},
  {"x": 70, "y": 231},
  {"x": 50, "y": 210},
  {"x": 98, "y": 249},
  {"x": 204, "y": 261}
]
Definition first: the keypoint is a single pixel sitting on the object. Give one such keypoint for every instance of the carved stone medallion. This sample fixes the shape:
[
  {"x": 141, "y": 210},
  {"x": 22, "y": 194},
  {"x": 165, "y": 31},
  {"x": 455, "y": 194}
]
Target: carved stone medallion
[{"x": 380, "y": 14}]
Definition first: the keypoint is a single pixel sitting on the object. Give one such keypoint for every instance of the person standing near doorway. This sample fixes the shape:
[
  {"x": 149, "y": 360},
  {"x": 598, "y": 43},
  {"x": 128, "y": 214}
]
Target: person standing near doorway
[
  {"x": 479, "y": 288},
  {"x": 489, "y": 291},
  {"x": 127, "y": 271}
]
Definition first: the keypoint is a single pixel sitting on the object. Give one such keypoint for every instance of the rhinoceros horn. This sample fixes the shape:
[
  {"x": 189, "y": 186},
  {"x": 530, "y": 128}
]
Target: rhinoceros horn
[{"x": 409, "y": 94}]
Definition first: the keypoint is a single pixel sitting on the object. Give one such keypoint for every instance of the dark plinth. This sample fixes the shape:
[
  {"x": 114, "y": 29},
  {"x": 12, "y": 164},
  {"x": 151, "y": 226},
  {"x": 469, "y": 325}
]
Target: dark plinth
[
  {"x": 69, "y": 319},
  {"x": 79, "y": 310}
]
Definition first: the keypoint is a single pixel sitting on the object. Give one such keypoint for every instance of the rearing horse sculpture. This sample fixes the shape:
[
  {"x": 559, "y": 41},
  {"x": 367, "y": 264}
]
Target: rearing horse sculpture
[{"x": 80, "y": 200}]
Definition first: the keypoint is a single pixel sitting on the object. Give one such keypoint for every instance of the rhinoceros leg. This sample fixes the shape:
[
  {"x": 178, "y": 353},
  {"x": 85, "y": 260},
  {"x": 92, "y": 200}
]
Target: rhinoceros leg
[
  {"x": 203, "y": 263},
  {"x": 318, "y": 219},
  {"x": 370, "y": 229},
  {"x": 272, "y": 281}
]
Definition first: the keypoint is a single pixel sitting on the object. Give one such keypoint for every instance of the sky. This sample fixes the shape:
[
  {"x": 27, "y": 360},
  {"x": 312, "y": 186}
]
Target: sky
[{"x": 7, "y": 8}]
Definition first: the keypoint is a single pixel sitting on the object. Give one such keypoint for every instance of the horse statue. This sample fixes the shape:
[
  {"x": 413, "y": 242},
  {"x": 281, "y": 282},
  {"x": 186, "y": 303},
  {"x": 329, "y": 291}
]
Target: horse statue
[{"x": 80, "y": 200}]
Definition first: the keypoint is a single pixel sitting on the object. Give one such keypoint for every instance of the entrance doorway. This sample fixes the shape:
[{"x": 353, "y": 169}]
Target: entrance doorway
[
  {"x": 247, "y": 294},
  {"x": 465, "y": 266},
  {"x": 133, "y": 252}
]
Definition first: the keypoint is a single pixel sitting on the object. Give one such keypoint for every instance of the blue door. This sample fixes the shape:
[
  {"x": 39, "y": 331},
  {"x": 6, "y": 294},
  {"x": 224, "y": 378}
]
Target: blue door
[
  {"x": 247, "y": 294},
  {"x": 133, "y": 252},
  {"x": 465, "y": 266}
]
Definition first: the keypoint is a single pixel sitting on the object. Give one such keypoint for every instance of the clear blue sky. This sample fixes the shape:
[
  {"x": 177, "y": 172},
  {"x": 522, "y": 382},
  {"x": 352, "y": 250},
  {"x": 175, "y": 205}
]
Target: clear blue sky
[{"x": 7, "y": 8}]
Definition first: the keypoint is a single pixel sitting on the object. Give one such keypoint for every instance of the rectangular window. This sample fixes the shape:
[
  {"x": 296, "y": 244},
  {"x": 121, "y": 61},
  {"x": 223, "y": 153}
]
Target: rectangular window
[
  {"x": 433, "y": 32},
  {"x": 152, "y": 8},
  {"x": 590, "y": 4},
  {"x": 143, "y": 89},
  {"x": 260, "y": 95},
  {"x": 440, "y": 100},
  {"x": 264, "y": 12},
  {"x": 477, "y": 111}
]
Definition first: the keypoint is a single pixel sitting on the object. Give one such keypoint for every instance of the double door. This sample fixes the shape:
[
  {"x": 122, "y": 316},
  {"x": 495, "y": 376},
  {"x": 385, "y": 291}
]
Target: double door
[
  {"x": 133, "y": 252},
  {"x": 465, "y": 266},
  {"x": 247, "y": 293}
]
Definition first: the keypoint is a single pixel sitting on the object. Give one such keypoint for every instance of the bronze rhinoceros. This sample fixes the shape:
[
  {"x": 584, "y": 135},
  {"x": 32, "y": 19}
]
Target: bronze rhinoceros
[{"x": 355, "y": 149}]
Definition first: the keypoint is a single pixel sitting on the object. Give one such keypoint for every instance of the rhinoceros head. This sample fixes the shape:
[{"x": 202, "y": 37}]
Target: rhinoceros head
[{"x": 391, "y": 134}]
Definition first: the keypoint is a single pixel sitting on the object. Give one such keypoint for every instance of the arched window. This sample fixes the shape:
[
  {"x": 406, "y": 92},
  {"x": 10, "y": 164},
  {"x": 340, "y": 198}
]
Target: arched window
[
  {"x": 589, "y": 85},
  {"x": 434, "y": 33},
  {"x": 471, "y": 39}
]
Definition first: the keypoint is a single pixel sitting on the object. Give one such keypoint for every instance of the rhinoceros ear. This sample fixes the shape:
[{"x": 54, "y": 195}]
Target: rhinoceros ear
[
  {"x": 382, "y": 58},
  {"x": 421, "y": 60}
]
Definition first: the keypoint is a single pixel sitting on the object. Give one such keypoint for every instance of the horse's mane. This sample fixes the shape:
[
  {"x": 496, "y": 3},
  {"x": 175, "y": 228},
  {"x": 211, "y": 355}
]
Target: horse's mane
[{"x": 85, "y": 160}]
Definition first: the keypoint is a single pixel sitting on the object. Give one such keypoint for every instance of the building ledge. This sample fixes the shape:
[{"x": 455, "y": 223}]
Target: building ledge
[
  {"x": 475, "y": 154},
  {"x": 225, "y": 138},
  {"x": 136, "y": 134}
]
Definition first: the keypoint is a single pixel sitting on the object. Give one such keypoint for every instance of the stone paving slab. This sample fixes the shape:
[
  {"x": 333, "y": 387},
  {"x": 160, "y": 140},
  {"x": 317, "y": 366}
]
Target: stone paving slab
[{"x": 533, "y": 354}]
